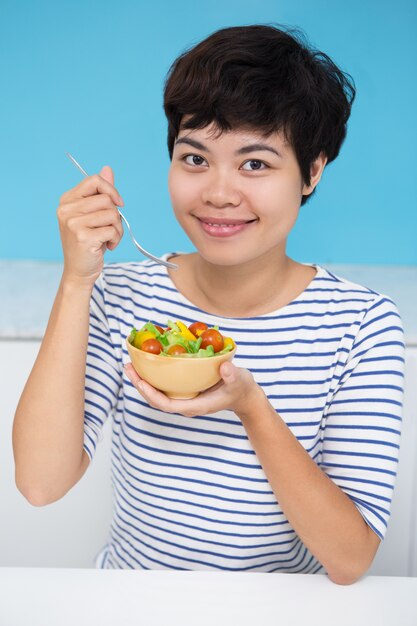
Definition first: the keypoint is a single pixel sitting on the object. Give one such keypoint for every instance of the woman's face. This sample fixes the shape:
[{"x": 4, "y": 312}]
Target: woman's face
[{"x": 236, "y": 176}]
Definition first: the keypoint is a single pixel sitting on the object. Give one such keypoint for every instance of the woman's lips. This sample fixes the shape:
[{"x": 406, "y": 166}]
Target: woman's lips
[{"x": 223, "y": 230}]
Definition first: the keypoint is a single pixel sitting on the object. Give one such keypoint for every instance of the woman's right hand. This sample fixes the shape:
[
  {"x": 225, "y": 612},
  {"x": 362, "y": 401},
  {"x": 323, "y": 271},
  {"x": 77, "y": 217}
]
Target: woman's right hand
[{"x": 89, "y": 222}]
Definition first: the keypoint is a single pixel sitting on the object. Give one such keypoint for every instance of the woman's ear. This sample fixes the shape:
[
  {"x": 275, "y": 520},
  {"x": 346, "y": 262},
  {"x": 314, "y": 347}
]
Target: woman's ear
[{"x": 316, "y": 170}]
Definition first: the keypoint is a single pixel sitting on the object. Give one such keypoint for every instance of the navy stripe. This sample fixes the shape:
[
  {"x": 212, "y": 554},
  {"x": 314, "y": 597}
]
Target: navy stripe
[
  {"x": 365, "y": 413},
  {"x": 359, "y": 467},
  {"x": 372, "y": 509},
  {"x": 367, "y": 400},
  {"x": 363, "y": 427},
  {"x": 365, "y": 454},
  {"x": 378, "y": 373},
  {"x": 373, "y": 441},
  {"x": 355, "y": 388},
  {"x": 337, "y": 478},
  {"x": 95, "y": 302}
]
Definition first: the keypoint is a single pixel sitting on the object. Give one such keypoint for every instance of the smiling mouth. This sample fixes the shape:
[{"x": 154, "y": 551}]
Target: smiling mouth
[
  {"x": 224, "y": 230},
  {"x": 230, "y": 225},
  {"x": 225, "y": 223}
]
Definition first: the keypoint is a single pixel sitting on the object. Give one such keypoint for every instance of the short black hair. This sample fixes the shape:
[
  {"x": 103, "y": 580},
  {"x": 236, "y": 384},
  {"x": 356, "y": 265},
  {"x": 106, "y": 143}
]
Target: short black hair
[{"x": 265, "y": 78}]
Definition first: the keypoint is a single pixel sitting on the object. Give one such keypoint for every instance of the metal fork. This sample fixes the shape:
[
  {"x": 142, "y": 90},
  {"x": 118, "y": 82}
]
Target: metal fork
[{"x": 139, "y": 247}]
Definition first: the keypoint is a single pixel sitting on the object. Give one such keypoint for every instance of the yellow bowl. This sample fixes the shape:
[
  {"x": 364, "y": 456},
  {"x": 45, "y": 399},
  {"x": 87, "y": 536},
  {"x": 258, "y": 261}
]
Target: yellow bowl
[{"x": 178, "y": 377}]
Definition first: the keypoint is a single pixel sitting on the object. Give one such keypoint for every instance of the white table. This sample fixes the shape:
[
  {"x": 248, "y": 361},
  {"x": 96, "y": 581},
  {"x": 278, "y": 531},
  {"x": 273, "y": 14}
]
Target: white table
[{"x": 81, "y": 597}]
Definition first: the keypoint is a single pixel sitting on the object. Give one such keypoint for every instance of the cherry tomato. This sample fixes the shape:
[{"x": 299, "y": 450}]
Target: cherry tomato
[
  {"x": 141, "y": 336},
  {"x": 214, "y": 338},
  {"x": 197, "y": 328},
  {"x": 176, "y": 349},
  {"x": 161, "y": 330},
  {"x": 152, "y": 345}
]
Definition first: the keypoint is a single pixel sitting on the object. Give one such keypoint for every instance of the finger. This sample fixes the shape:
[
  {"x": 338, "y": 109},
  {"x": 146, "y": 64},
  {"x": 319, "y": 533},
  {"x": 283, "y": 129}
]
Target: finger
[
  {"x": 90, "y": 226},
  {"x": 132, "y": 374},
  {"x": 188, "y": 408},
  {"x": 100, "y": 236},
  {"x": 92, "y": 185},
  {"x": 135, "y": 379},
  {"x": 154, "y": 397},
  {"x": 117, "y": 232},
  {"x": 158, "y": 400},
  {"x": 107, "y": 173},
  {"x": 88, "y": 205},
  {"x": 104, "y": 217}
]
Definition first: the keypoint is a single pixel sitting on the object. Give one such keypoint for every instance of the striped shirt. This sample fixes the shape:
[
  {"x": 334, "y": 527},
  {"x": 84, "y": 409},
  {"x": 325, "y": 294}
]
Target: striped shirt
[{"x": 190, "y": 493}]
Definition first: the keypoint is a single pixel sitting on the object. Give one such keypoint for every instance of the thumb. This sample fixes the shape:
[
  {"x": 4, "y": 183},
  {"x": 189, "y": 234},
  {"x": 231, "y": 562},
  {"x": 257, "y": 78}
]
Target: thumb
[
  {"x": 107, "y": 173},
  {"x": 228, "y": 372}
]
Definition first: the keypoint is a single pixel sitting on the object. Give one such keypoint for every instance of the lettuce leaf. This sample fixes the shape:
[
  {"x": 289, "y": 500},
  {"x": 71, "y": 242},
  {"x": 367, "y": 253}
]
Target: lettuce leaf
[
  {"x": 194, "y": 346},
  {"x": 173, "y": 326},
  {"x": 149, "y": 326}
]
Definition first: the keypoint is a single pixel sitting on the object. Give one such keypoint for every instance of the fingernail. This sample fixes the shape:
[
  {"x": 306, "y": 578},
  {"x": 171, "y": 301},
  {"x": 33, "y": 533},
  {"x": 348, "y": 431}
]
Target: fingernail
[{"x": 120, "y": 201}]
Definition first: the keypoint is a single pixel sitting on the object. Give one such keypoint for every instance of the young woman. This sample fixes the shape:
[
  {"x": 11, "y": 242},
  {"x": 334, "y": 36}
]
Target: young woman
[{"x": 288, "y": 464}]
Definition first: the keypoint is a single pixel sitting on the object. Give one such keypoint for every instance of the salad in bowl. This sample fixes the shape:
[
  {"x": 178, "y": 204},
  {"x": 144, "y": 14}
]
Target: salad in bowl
[{"x": 177, "y": 359}]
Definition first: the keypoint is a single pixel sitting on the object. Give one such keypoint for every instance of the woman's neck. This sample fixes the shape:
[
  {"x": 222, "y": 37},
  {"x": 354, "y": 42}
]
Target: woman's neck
[{"x": 247, "y": 290}]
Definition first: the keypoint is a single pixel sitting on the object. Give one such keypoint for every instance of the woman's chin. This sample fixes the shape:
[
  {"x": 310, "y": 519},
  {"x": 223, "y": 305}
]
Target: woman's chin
[{"x": 225, "y": 258}]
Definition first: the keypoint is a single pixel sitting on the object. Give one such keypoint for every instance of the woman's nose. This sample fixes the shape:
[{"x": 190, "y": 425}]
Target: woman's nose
[{"x": 221, "y": 190}]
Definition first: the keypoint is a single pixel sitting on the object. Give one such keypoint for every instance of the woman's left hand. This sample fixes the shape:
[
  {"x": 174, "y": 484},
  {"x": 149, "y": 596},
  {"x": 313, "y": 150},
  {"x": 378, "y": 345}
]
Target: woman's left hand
[{"x": 237, "y": 391}]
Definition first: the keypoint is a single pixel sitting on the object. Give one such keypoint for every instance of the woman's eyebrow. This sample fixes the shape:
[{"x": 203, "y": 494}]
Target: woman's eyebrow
[{"x": 252, "y": 148}]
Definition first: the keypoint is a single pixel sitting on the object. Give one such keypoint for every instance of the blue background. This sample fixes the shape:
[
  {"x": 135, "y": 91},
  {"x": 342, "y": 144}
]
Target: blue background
[{"x": 87, "y": 77}]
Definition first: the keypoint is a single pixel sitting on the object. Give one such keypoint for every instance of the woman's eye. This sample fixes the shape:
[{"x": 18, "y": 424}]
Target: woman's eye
[
  {"x": 196, "y": 160},
  {"x": 256, "y": 165}
]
